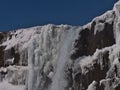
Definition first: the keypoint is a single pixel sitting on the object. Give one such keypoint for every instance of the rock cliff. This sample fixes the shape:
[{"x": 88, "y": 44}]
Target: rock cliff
[{"x": 63, "y": 57}]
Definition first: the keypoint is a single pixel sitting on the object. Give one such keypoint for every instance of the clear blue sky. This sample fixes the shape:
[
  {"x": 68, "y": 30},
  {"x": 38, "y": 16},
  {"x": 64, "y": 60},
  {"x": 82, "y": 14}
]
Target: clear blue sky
[{"x": 16, "y": 14}]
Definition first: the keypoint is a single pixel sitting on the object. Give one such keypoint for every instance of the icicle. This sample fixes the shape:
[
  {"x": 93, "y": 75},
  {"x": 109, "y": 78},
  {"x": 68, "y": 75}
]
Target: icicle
[{"x": 31, "y": 66}]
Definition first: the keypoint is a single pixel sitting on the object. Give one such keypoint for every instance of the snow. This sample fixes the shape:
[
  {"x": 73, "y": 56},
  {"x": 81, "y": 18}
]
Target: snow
[
  {"x": 12, "y": 74},
  {"x": 50, "y": 75},
  {"x": 2, "y": 69},
  {"x": 48, "y": 49},
  {"x": 116, "y": 61},
  {"x": 92, "y": 86},
  {"x": 10, "y": 61},
  {"x": 88, "y": 61},
  {"x": 7, "y": 86},
  {"x": 23, "y": 36},
  {"x": 114, "y": 53},
  {"x": 116, "y": 9},
  {"x": 99, "y": 27},
  {"x": 20, "y": 68},
  {"x": 104, "y": 80},
  {"x": 87, "y": 26}
]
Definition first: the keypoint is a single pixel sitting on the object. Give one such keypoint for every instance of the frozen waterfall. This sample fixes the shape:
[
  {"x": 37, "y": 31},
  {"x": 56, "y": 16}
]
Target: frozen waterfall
[
  {"x": 66, "y": 45},
  {"x": 48, "y": 53}
]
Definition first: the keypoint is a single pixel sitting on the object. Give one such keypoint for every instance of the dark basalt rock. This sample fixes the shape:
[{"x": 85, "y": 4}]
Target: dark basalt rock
[
  {"x": 7, "y": 54},
  {"x": 2, "y": 56},
  {"x": 16, "y": 56},
  {"x": 118, "y": 87},
  {"x": 3, "y": 36},
  {"x": 87, "y": 43}
]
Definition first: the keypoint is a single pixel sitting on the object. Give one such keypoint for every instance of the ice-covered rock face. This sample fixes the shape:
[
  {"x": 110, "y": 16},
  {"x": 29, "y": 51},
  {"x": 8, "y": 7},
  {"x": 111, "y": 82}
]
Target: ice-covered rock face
[
  {"x": 44, "y": 51},
  {"x": 63, "y": 57}
]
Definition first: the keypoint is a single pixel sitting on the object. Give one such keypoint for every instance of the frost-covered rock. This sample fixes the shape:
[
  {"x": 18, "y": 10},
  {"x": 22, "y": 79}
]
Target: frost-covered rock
[{"x": 63, "y": 57}]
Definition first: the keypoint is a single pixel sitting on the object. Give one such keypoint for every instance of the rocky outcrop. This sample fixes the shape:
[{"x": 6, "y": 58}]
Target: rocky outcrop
[{"x": 98, "y": 35}]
